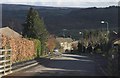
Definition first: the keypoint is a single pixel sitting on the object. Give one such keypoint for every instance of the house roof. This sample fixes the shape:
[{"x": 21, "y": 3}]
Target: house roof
[
  {"x": 61, "y": 39},
  {"x": 9, "y": 32}
]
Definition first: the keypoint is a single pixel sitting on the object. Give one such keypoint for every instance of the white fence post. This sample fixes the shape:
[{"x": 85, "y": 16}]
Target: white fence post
[{"x": 5, "y": 62}]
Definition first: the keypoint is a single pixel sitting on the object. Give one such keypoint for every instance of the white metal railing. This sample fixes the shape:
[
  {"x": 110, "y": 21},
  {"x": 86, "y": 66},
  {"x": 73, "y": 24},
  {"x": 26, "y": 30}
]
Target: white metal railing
[{"x": 5, "y": 62}]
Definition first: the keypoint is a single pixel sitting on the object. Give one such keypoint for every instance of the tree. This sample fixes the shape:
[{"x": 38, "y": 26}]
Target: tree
[
  {"x": 29, "y": 24},
  {"x": 34, "y": 27},
  {"x": 80, "y": 47},
  {"x": 51, "y": 43}
]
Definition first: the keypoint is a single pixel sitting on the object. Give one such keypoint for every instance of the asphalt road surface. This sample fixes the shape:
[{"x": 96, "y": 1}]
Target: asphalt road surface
[{"x": 67, "y": 65}]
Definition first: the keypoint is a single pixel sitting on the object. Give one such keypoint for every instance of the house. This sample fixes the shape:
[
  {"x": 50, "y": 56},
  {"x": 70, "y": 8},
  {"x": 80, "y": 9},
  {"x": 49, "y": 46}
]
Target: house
[
  {"x": 75, "y": 45},
  {"x": 9, "y": 33},
  {"x": 66, "y": 43}
]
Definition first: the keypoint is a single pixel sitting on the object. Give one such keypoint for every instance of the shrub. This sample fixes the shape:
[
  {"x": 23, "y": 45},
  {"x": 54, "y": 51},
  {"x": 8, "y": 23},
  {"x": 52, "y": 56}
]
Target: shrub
[
  {"x": 37, "y": 44},
  {"x": 22, "y": 49},
  {"x": 98, "y": 51}
]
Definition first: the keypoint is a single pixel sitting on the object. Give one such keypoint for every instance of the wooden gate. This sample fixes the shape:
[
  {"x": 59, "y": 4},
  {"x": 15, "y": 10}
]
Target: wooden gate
[{"x": 5, "y": 62}]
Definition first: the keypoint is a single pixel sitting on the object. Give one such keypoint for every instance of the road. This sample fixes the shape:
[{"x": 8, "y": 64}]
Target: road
[{"x": 67, "y": 65}]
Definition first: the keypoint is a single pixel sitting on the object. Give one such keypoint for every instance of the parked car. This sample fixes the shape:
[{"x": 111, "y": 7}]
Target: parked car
[{"x": 56, "y": 52}]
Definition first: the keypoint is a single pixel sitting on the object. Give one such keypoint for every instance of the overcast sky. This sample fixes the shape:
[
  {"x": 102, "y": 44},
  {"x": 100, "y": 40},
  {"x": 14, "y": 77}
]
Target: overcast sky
[{"x": 64, "y": 3}]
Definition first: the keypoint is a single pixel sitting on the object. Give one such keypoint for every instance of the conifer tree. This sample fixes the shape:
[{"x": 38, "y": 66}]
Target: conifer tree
[{"x": 34, "y": 27}]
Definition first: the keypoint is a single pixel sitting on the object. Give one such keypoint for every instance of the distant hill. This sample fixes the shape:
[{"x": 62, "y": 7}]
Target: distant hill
[{"x": 57, "y": 19}]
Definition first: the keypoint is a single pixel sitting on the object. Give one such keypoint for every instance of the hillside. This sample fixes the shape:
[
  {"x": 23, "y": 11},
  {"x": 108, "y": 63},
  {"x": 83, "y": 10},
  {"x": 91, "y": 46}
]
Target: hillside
[{"x": 57, "y": 19}]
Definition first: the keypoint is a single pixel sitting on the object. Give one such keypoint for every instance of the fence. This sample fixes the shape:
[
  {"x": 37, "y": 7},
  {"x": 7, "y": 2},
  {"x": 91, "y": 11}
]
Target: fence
[{"x": 5, "y": 62}]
